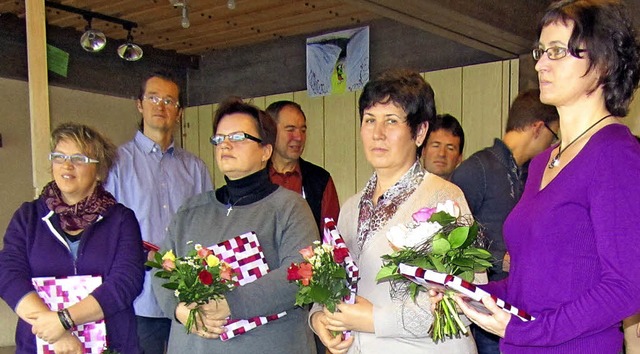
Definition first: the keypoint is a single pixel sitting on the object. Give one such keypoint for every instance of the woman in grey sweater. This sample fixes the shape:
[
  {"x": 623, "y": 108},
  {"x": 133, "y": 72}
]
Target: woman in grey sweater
[{"x": 283, "y": 223}]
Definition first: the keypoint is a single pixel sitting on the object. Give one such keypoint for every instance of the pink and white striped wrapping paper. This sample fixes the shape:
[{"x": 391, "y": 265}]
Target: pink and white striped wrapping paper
[
  {"x": 429, "y": 278},
  {"x": 332, "y": 236},
  {"x": 244, "y": 254},
  {"x": 59, "y": 293}
]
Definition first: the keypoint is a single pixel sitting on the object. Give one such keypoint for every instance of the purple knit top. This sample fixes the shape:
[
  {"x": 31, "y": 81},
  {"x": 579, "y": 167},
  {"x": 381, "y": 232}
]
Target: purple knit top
[{"x": 575, "y": 250}]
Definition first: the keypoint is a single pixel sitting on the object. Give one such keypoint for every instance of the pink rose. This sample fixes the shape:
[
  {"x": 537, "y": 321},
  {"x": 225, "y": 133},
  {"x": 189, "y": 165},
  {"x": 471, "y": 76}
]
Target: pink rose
[
  {"x": 225, "y": 271},
  {"x": 204, "y": 252},
  {"x": 423, "y": 214},
  {"x": 306, "y": 273},
  {"x": 307, "y": 252},
  {"x": 168, "y": 265}
]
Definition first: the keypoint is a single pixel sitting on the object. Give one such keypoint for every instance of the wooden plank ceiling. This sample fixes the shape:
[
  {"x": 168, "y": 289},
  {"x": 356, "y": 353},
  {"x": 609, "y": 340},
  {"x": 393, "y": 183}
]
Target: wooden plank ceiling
[{"x": 213, "y": 24}]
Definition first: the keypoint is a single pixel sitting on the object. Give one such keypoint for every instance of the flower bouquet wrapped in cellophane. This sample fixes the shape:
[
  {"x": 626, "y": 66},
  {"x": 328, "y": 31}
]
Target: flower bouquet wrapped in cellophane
[
  {"x": 441, "y": 240},
  {"x": 195, "y": 278}
]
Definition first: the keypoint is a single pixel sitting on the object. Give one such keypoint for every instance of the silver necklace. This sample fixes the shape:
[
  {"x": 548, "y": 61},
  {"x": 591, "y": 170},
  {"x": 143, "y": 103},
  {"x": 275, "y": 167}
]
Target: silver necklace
[
  {"x": 230, "y": 206},
  {"x": 556, "y": 160}
]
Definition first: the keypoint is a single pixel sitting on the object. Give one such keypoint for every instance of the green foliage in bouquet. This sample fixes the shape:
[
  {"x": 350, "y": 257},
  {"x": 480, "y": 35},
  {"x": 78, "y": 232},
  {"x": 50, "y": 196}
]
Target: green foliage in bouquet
[
  {"x": 195, "y": 278},
  {"x": 445, "y": 244},
  {"x": 321, "y": 278}
]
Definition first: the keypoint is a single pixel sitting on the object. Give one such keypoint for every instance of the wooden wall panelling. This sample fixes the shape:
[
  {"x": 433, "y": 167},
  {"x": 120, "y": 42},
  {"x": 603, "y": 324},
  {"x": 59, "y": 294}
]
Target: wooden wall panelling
[
  {"x": 633, "y": 118},
  {"x": 510, "y": 87},
  {"x": 339, "y": 144},
  {"x": 481, "y": 105},
  {"x": 205, "y": 130},
  {"x": 313, "y": 107},
  {"x": 447, "y": 85},
  {"x": 259, "y": 102},
  {"x": 363, "y": 168},
  {"x": 288, "y": 96},
  {"x": 190, "y": 134}
]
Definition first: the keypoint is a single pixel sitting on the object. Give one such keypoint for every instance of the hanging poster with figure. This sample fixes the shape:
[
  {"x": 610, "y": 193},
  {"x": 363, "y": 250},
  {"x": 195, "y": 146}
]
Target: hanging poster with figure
[{"x": 338, "y": 62}]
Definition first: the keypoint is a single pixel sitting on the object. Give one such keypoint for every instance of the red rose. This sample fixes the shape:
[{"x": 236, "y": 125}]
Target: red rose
[
  {"x": 339, "y": 254},
  {"x": 292, "y": 272},
  {"x": 306, "y": 273},
  {"x": 205, "y": 277}
]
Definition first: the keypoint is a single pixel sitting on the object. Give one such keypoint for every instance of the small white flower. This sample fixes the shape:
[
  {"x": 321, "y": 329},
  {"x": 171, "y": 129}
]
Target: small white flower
[
  {"x": 176, "y": 293},
  {"x": 198, "y": 247},
  {"x": 449, "y": 207}
]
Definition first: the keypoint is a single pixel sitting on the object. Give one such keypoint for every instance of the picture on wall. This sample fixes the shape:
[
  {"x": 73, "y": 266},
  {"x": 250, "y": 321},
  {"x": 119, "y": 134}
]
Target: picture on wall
[{"x": 338, "y": 62}]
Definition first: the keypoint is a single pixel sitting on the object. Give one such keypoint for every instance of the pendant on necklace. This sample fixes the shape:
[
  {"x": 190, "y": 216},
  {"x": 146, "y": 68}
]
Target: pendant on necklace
[
  {"x": 554, "y": 163},
  {"x": 229, "y": 210}
]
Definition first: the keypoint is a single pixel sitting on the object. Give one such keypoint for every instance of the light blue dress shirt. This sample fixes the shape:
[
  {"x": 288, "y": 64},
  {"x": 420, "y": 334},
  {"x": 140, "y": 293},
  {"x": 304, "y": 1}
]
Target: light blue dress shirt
[{"x": 154, "y": 185}]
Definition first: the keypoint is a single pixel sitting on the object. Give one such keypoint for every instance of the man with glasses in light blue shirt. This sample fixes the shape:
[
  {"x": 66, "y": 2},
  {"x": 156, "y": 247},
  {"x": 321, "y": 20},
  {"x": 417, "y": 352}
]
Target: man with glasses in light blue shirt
[{"x": 154, "y": 177}]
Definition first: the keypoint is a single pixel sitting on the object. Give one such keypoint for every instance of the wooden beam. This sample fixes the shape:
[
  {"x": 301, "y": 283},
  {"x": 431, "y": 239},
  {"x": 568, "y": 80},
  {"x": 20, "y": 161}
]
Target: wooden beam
[
  {"x": 38, "y": 92},
  {"x": 434, "y": 17}
]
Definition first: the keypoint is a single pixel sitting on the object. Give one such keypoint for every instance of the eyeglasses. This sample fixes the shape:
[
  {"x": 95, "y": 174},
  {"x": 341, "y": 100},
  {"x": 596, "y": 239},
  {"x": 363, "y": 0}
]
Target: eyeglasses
[
  {"x": 77, "y": 159},
  {"x": 553, "y": 53},
  {"x": 167, "y": 101},
  {"x": 556, "y": 138},
  {"x": 233, "y": 137}
]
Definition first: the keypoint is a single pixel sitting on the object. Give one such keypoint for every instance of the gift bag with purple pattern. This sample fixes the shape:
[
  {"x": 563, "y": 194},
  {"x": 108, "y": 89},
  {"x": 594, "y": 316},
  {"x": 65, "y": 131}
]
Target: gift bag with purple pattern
[
  {"x": 332, "y": 236},
  {"x": 60, "y": 293},
  {"x": 244, "y": 254},
  {"x": 471, "y": 293}
]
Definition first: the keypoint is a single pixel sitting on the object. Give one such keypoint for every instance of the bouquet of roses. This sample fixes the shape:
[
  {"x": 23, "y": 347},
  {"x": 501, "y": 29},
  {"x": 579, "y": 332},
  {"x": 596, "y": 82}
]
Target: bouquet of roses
[
  {"x": 438, "y": 239},
  {"x": 322, "y": 277},
  {"x": 195, "y": 278}
]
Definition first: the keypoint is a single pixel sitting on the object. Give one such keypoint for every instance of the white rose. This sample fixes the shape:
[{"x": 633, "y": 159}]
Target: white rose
[
  {"x": 397, "y": 235},
  {"x": 422, "y": 233},
  {"x": 449, "y": 207}
]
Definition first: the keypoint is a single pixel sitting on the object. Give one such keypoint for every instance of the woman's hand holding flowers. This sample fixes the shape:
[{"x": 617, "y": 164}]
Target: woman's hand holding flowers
[
  {"x": 213, "y": 316},
  {"x": 352, "y": 317},
  {"x": 495, "y": 323},
  {"x": 334, "y": 343}
]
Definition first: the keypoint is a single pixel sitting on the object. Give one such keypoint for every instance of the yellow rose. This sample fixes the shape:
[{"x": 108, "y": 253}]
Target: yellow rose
[
  {"x": 212, "y": 260},
  {"x": 169, "y": 255}
]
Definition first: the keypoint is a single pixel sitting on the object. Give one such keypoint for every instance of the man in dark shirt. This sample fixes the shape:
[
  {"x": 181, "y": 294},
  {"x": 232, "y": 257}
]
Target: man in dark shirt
[
  {"x": 443, "y": 151},
  {"x": 493, "y": 180},
  {"x": 292, "y": 172}
]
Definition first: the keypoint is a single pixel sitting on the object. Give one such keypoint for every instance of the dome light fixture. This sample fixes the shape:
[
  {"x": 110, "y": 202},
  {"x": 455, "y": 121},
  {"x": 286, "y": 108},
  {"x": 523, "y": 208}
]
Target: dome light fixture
[
  {"x": 130, "y": 51},
  {"x": 92, "y": 40}
]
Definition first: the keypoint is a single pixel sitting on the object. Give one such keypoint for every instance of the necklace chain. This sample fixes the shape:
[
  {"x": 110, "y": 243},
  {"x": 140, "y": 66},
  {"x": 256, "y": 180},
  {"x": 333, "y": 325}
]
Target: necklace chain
[
  {"x": 556, "y": 159},
  {"x": 230, "y": 206}
]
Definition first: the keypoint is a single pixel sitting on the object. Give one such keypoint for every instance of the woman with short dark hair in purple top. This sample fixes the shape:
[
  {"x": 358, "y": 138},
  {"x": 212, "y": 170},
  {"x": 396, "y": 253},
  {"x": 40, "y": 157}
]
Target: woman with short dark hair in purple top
[
  {"x": 74, "y": 228},
  {"x": 574, "y": 237}
]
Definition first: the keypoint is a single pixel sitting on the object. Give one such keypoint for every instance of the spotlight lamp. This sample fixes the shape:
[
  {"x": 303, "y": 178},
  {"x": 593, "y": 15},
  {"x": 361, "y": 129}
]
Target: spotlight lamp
[
  {"x": 92, "y": 40},
  {"x": 130, "y": 51}
]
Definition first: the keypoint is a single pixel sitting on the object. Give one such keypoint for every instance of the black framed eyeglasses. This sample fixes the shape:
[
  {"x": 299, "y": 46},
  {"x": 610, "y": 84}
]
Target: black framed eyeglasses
[
  {"x": 233, "y": 137},
  {"x": 553, "y": 53},
  {"x": 167, "y": 101},
  {"x": 77, "y": 159},
  {"x": 556, "y": 138}
]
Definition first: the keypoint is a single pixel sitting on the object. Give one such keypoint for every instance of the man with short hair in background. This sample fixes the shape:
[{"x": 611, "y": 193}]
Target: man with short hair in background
[
  {"x": 154, "y": 177},
  {"x": 493, "y": 180},
  {"x": 443, "y": 150},
  {"x": 289, "y": 170}
]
